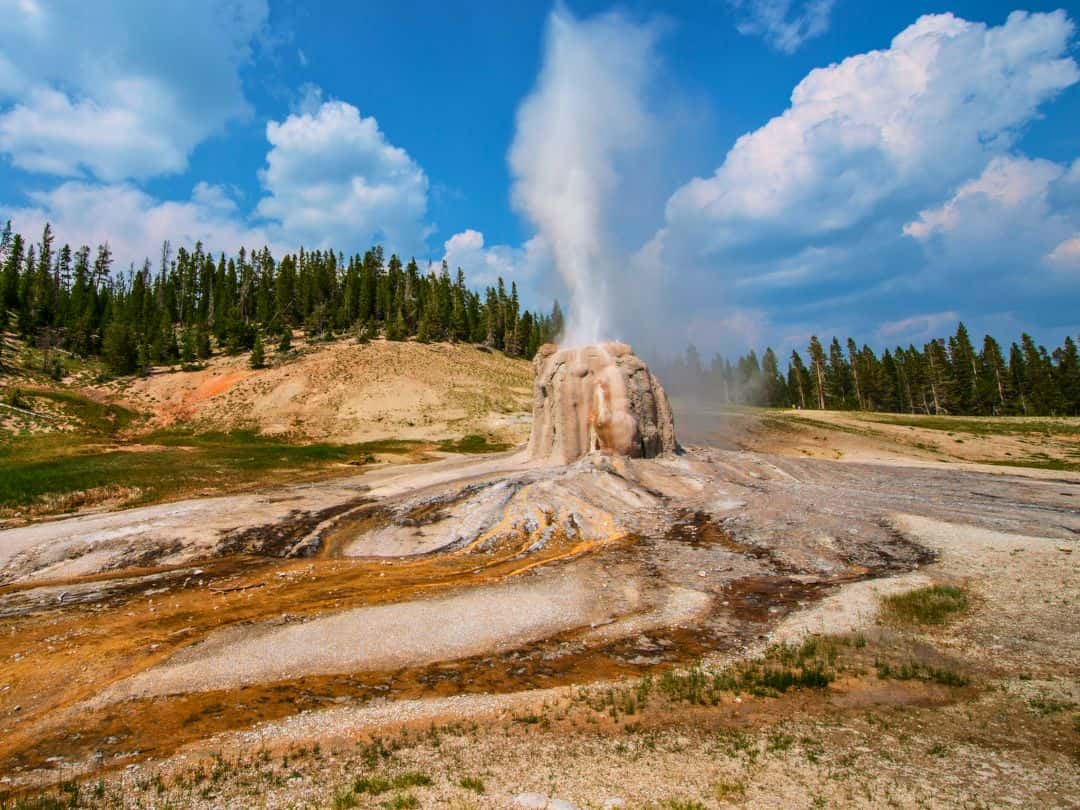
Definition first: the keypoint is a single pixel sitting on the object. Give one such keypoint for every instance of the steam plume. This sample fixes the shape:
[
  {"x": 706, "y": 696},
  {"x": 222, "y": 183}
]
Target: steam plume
[{"x": 575, "y": 131}]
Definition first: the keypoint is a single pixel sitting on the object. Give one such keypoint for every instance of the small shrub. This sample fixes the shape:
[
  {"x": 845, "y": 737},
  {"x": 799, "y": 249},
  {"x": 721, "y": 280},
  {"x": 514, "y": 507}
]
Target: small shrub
[
  {"x": 473, "y": 783},
  {"x": 258, "y": 354},
  {"x": 779, "y": 741},
  {"x": 411, "y": 779},
  {"x": 915, "y": 671},
  {"x": 729, "y": 789},
  {"x": 377, "y": 785},
  {"x": 344, "y": 799},
  {"x": 402, "y": 801},
  {"x": 683, "y": 804},
  {"x": 14, "y": 398},
  {"x": 373, "y": 785},
  {"x": 931, "y": 605},
  {"x": 1046, "y": 706}
]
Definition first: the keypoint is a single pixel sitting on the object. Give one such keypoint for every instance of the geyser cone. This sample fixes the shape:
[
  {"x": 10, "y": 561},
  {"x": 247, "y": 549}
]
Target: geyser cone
[{"x": 600, "y": 398}]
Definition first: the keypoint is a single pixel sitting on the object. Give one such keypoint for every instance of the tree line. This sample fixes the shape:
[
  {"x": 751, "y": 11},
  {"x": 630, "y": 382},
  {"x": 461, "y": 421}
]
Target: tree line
[
  {"x": 194, "y": 303},
  {"x": 947, "y": 376}
]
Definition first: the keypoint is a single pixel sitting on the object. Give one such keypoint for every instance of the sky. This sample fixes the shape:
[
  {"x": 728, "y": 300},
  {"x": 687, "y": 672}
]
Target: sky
[{"x": 732, "y": 173}]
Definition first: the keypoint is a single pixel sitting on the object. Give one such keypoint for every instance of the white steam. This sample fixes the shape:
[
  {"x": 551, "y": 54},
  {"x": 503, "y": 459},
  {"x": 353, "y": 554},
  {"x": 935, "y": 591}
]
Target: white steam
[{"x": 575, "y": 132}]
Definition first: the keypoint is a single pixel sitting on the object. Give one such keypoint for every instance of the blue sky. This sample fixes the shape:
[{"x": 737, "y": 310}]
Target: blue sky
[{"x": 927, "y": 178}]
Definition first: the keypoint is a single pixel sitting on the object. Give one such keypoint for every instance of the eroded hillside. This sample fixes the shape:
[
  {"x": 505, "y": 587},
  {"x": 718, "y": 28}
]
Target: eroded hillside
[{"x": 347, "y": 392}]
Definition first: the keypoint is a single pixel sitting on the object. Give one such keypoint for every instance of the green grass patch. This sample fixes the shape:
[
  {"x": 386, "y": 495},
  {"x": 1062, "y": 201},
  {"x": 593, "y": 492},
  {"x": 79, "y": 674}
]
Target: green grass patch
[
  {"x": 931, "y": 605},
  {"x": 472, "y": 444},
  {"x": 88, "y": 414},
  {"x": 162, "y": 464}
]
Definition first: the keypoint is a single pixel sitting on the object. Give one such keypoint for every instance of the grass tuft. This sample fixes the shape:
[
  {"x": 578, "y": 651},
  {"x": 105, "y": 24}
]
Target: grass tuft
[
  {"x": 401, "y": 801},
  {"x": 932, "y": 605},
  {"x": 915, "y": 671},
  {"x": 473, "y": 783}
]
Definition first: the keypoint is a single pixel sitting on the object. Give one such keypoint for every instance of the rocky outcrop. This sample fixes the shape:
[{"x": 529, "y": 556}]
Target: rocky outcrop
[{"x": 600, "y": 398}]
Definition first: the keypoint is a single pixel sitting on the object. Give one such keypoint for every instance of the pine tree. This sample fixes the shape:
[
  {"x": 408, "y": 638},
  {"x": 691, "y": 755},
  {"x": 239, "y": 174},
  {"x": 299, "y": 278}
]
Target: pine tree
[
  {"x": 557, "y": 324},
  {"x": 9, "y": 277},
  {"x": 258, "y": 358},
  {"x": 118, "y": 349},
  {"x": 285, "y": 344},
  {"x": 202, "y": 341},
  {"x": 429, "y": 318},
  {"x": 817, "y": 366},
  {"x": 993, "y": 390},
  {"x": 1068, "y": 374},
  {"x": 1020, "y": 382},
  {"x": 187, "y": 346},
  {"x": 459, "y": 324},
  {"x": 775, "y": 391},
  {"x": 798, "y": 380},
  {"x": 1038, "y": 377},
  {"x": 939, "y": 378},
  {"x": 888, "y": 377},
  {"x": 839, "y": 377},
  {"x": 397, "y": 329},
  {"x": 965, "y": 372}
]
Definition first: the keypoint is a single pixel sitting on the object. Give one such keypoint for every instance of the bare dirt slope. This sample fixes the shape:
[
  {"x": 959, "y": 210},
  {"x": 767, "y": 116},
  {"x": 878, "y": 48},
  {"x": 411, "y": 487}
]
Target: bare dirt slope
[{"x": 348, "y": 392}]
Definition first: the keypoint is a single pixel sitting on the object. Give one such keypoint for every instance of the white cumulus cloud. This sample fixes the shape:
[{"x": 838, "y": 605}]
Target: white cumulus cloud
[
  {"x": 804, "y": 219},
  {"x": 1006, "y": 227},
  {"x": 333, "y": 178},
  {"x": 117, "y": 90},
  {"x": 484, "y": 264},
  {"x": 134, "y": 223},
  {"x": 879, "y": 129}
]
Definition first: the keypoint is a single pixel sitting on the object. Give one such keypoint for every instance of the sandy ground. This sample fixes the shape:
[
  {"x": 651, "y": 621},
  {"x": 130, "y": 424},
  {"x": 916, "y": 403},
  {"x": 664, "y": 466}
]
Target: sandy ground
[
  {"x": 1042, "y": 446},
  {"x": 347, "y": 392}
]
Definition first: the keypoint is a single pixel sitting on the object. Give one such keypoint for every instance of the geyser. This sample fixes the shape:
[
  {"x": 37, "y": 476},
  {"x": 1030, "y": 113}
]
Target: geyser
[{"x": 599, "y": 398}]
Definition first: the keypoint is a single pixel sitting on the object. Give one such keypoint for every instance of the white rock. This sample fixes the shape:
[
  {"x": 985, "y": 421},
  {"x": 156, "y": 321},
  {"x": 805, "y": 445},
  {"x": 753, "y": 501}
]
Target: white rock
[
  {"x": 531, "y": 801},
  {"x": 561, "y": 804}
]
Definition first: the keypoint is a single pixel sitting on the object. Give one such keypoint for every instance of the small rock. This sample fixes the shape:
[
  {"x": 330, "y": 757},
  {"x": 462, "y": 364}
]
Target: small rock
[
  {"x": 561, "y": 804},
  {"x": 531, "y": 801},
  {"x": 702, "y": 574}
]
